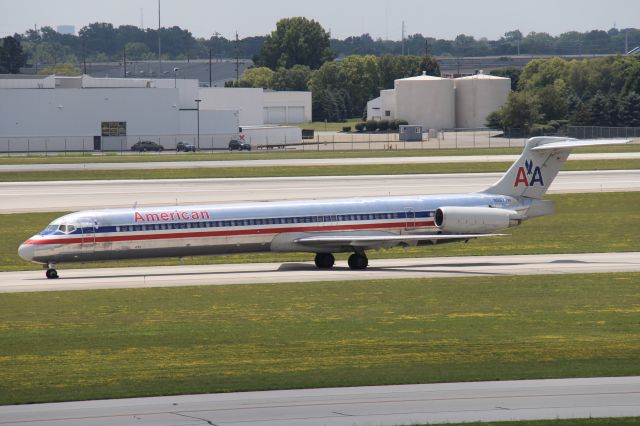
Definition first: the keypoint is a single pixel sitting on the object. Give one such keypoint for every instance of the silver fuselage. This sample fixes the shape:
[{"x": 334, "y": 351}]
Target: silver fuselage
[{"x": 179, "y": 231}]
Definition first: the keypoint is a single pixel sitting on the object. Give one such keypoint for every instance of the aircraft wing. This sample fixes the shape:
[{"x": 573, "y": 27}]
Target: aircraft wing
[{"x": 369, "y": 240}]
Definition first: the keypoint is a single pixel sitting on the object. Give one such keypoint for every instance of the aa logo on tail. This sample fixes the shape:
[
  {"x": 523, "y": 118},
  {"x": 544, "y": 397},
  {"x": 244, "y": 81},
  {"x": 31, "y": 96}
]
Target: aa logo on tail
[{"x": 528, "y": 175}]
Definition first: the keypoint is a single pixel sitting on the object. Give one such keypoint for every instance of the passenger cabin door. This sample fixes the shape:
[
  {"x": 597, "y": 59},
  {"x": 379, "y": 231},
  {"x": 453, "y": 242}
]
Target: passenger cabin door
[
  {"x": 410, "y": 218},
  {"x": 88, "y": 235}
]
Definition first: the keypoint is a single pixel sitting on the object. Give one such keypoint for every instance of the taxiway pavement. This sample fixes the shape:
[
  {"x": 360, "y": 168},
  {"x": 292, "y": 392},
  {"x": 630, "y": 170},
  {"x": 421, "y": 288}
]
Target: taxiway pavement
[
  {"x": 150, "y": 165},
  {"x": 374, "y": 405},
  {"x": 18, "y": 197},
  {"x": 306, "y": 272}
]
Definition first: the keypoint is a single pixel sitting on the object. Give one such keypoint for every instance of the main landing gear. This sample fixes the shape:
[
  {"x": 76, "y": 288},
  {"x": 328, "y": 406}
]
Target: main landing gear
[
  {"x": 325, "y": 260},
  {"x": 52, "y": 273},
  {"x": 357, "y": 261}
]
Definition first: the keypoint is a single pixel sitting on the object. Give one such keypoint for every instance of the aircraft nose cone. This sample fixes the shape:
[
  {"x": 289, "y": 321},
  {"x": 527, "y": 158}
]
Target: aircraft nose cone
[{"x": 26, "y": 251}]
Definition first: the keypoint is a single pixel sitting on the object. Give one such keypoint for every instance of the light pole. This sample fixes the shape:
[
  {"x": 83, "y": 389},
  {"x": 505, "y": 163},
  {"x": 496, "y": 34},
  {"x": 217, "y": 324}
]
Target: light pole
[
  {"x": 175, "y": 73},
  {"x": 198, "y": 122}
]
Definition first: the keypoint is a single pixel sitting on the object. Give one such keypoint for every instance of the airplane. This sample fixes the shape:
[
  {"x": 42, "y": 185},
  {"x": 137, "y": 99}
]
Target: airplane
[{"x": 323, "y": 227}]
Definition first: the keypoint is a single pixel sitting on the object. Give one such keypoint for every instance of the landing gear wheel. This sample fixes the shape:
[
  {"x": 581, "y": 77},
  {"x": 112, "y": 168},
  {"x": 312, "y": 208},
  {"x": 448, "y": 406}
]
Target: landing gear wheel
[
  {"x": 52, "y": 274},
  {"x": 358, "y": 261},
  {"x": 325, "y": 260}
]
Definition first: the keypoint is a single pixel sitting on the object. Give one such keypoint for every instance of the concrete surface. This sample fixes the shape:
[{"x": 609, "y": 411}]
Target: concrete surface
[
  {"x": 375, "y": 405},
  {"x": 266, "y": 273},
  {"x": 20, "y": 197}
]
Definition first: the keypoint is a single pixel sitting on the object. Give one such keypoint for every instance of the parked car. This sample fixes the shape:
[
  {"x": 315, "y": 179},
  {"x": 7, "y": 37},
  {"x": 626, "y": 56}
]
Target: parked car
[
  {"x": 185, "y": 147},
  {"x": 239, "y": 145},
  {"x": 142, "y": 146}
]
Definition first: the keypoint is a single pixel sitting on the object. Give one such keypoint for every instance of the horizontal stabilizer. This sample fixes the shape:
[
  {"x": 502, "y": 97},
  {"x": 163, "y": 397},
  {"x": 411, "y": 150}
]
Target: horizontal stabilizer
[{"x": 575, "y": 143}]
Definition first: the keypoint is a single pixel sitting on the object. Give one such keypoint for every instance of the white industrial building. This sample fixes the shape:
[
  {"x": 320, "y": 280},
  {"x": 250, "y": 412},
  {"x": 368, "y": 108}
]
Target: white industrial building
[
  {"x": 441, "y": 103},
  {"x": 259, "y": 106},
  {"x": 477, "y": 96},
  {"x": 84, "y": 113}
]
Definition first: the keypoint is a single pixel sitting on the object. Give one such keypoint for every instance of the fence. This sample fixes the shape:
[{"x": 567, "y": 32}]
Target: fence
[
  {"x": 322, "y": 141},
  {"x": 592, "y": 132},
  {"x": 91, "y": 144}
]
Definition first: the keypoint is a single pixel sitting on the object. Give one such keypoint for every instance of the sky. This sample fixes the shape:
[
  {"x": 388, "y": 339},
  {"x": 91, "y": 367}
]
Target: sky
[{"x": 380, "y": 18}]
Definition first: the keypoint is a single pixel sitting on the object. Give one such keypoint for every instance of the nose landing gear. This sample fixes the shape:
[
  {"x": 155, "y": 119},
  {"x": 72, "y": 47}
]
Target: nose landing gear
[{"x": 52, "y": 273}]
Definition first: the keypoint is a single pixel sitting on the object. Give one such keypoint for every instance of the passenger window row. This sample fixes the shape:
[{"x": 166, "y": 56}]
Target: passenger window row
[{"x": 265, "y": 221}]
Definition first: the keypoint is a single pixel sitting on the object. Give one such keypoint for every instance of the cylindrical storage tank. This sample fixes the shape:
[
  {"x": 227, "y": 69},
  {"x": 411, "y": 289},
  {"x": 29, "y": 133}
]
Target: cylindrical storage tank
[
  {"x": 477, "y": 96},
  {"x": 427, "y": 101}
]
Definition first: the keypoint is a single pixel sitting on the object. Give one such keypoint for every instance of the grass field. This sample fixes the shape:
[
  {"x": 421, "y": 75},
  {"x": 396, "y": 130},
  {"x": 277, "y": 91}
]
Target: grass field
[
  {"x": 607, "y": 421},
  {"x": 287, "y": 171},
  {"x": 124, "y": 343},
  {"x": 597, "y": 222},
  {"x": 74, "y": 158}
]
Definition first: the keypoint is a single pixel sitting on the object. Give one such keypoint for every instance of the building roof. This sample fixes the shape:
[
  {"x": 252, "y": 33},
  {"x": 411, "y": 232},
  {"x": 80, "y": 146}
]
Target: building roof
[
  {"x": 422, "y": 77},
  {"x": 482, "y": 77}
]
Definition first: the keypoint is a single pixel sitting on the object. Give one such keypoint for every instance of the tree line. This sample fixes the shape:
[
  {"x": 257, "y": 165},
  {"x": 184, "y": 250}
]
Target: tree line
[
  {"x": 591, "y": 92},
  {"x": 101, "y": 42}
]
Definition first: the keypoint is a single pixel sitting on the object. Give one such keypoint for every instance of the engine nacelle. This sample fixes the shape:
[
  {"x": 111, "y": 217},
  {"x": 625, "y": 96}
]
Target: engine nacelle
[{"x": 475, "y": 219}]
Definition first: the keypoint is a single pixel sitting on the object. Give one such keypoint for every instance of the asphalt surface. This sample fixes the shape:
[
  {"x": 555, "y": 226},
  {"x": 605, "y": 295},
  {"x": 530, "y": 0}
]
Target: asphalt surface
[
  {"x": 268, "y": 273},
  {"x": 375, "y": 405},
  {"x": 19, "y": 197},
  {"x": 297, "y": 162}
]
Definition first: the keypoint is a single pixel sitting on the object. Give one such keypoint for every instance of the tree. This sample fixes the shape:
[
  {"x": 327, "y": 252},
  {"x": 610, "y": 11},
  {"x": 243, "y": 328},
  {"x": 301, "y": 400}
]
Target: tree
[
  {"x": 256, "y": 77},
  {"x": 296, "y": 41},
  {"x": 12, "y": 57},
  {"x": 295, "y": 78},
  {"x": 511, "y": 73},
  {"x": 137, "y": 51},
  {"x": 520, "y": 112},
  {"x": 358, "y": 76}
]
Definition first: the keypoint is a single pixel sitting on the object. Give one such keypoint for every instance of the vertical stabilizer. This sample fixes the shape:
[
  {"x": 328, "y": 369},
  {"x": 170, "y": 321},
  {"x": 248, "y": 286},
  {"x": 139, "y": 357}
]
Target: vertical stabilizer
[{"x": 532, "y": 174}]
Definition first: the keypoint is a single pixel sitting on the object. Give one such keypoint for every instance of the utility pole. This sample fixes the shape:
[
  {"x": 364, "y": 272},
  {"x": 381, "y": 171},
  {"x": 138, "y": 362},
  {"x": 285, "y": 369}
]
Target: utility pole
[
  {"x": 84, "y": 57},
  {"x": 124, "y": 62},
  {"x": 402, "y": 38},
  {"x": 159, "y": 44},
  {"x": 210, "y": 72},
  {"x": 237, "y": 59},
  {"x": 35, "y": 28},
  {"x": 626, "y": 42}
]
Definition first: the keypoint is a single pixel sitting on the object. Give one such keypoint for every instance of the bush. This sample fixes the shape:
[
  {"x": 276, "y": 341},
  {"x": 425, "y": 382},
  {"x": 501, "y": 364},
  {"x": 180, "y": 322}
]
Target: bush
[
  {"x": 393, "y": 124},
  {"x": 383, "y": 125},
  {"x": 402, "y": 122},
  {"x": 372, "y": 125},
  {"x": 541, "y": 130},
  {"x": 360, "y": 127},
  {"x": 346, "y": 129}
]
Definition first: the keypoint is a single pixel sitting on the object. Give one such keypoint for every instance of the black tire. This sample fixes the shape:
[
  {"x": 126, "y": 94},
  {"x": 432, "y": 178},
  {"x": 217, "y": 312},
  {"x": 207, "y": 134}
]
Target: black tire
[
  {"x": 358, "y": 262},
  {"x": 325, "y": 260},
  {"x": 52, "y": 274}
]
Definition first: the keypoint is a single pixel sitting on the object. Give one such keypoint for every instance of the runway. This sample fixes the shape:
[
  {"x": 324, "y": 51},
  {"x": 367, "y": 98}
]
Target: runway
[
  {"x": 375, "y": 405},
  {"x": 239, "y": 162},
  {"x": 21, "y": 197},
  {"x": 269, "y": 273}
]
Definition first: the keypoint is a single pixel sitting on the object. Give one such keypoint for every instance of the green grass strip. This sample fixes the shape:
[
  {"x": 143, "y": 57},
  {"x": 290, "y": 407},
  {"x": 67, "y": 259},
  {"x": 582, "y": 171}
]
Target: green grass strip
[
  {"x": 596, "y": 222},
  {"x": 183, "y": 340},
  {"x": 591, "y": 421},
  {"x": 289, "y": 171}
]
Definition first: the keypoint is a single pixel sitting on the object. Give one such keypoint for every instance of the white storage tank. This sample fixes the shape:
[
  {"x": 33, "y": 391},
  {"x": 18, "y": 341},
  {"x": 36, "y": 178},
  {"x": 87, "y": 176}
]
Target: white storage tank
[
  {"x": 477, "y": 96},
  {"x": 426, "y": 100}
]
